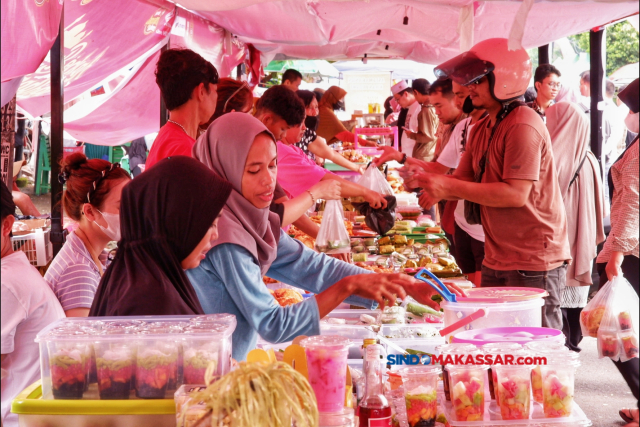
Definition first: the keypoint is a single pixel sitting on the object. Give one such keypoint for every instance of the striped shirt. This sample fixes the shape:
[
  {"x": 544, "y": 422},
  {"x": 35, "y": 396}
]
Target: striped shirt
[
  {"x": 73, "y": 275},
  {"x": 623, "y": 236}
]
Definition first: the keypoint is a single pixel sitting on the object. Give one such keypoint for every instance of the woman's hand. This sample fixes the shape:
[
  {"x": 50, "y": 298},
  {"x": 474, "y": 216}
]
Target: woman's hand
[
  {"x": 375, "y": 200},
  {"x": 383, "y": 288},
  {"x": 614, "y": 266},
  {"x": 327, "y": 189},
  {"x": 422, "y": 292},
  {"x": 388, "y": 154}
]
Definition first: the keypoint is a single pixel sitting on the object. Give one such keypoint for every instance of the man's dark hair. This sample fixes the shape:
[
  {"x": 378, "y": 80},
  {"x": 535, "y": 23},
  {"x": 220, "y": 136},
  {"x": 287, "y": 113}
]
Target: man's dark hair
[
  {"x": 444, "y": 86},
  {"x": 421, "y": 86},
  {"x": 543, "y": 71},
  {"x": 178, "y": 72},
  {"x": 586, "y": 76},
  {"x": 283, "y": 102},
  {"x": 609, "y": 88},
  {"x": 530, "y": 95},
  {"x": 8, "y": 206},
  {"x": 291, "y": 75}
]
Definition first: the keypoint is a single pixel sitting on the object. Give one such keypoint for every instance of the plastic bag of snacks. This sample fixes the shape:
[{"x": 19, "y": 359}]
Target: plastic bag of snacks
[
  {"x": 333, "y": 237},
  {"x": 612, "y": 317},
  {"x": 379, "y": 220}
]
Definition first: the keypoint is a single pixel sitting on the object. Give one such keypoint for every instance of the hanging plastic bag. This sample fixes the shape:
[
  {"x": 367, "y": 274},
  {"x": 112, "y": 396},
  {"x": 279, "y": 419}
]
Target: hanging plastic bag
[
  {"x": 333, "y": 237},
  {"x": 612, "y": 317},
  {"x": 379, "y": 220}
]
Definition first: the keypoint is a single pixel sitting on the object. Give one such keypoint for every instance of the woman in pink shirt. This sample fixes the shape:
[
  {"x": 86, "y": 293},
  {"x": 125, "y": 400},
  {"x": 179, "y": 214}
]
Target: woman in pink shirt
[{"x": 297, "y": 173}]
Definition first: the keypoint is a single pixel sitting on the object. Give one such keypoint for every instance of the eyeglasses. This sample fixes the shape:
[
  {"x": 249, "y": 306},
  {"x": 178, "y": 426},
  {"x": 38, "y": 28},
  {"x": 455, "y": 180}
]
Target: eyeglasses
[
  {"x": 477, "y": 81},
  {"x": 554, "y": 85},
  {"x": 244, "y": 84}
]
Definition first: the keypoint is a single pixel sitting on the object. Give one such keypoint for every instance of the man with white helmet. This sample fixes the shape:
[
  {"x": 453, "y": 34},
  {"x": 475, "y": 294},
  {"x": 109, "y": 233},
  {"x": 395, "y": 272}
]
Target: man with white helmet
[{"x": 507, "y": 177}]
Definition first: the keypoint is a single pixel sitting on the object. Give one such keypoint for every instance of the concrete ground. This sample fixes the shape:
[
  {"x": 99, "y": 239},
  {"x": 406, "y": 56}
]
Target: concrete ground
[{"x": 600, "y": 389}]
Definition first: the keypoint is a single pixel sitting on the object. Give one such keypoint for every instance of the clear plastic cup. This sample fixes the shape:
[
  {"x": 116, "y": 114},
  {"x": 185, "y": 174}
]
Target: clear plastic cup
[
  {"x": 115, "y": 363},
  {"x": 69, "y": 361},
  {"x": 494, "y": 350},
  {"x": 541, "y": 349},
  {"x": 467, "y": 391},
  {"x": 558, "y": 384},
  {"x": 204, "y": 347},
  {"x": 513, "y": 387},
  {"x": 451, "y": 349},
  {"x": 327, "y": 367},
  {"x": 156, "y": 367},
  {"x": 420, "y": 384}
]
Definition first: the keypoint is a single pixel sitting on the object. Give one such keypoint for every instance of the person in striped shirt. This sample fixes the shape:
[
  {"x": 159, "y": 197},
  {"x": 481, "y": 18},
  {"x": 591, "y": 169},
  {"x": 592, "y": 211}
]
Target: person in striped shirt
[{"x": 92, "y": 199}]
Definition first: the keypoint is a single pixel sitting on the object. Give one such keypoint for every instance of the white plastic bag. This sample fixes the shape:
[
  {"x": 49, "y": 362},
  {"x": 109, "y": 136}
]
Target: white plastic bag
[
  {"x": 374, "y": 180},
  {"x": 612, "y": 317},
  {"x": 333, "y": 237}
]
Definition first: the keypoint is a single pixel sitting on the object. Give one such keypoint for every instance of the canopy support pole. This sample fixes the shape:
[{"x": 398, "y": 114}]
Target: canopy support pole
[
  {"x": 598, "y": 52},
  {"x": 57, "y": 129},
  {"x": 543, "y": 55},
  {"x": 164, "y": 114}
]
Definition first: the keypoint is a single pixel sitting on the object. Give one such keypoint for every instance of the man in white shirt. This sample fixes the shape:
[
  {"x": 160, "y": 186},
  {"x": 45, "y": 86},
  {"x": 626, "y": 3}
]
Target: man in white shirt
[
  {"x": 468, "y": 239},
  {"x": 405, "y": 97},
  {"x": 28, "y": 305}
]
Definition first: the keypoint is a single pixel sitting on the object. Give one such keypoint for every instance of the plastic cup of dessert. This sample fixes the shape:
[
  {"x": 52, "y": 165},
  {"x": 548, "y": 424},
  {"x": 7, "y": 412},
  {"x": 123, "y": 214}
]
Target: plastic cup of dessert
[
  {"x": 156, "y": 365},
  {"x": 467, "y": 391},
  {"x": 420, "y": 385},
  {"x": 541, "y": 349},
  {"x": 205, "y": 348},
  {"x": 446, "y": 349},
  {"x": 558, "y": 383},
  {"x": 115, "y": 363},
  {"x": 494, "y": 350},
  {"x": 513, "y": 388},
  {"x": 69, "y": 360},
  {"x": 327, "y": 368}
]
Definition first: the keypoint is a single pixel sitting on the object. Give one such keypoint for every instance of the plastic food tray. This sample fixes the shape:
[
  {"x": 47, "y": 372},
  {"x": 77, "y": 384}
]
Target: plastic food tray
[
  {"x": 414, "y": 331},
  {"x": 34, "y": 411},
  {"x": 492, "y": 417},
  {"x": 88, "y": 339}
]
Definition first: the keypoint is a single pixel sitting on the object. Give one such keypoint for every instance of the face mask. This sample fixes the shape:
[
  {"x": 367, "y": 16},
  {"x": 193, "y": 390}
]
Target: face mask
[
  {"x": 467, "y": 107},
  {"x": 339, "y": 105},
  {"x": 632, "y": 122},
  {"x": 311, "y": 122},
  {"x": 113, "y": 226}
]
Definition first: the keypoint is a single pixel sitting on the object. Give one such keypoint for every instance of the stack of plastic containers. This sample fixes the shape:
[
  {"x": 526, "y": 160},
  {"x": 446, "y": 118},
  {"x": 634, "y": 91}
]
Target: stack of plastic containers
[{"x": 127, "y": 358}]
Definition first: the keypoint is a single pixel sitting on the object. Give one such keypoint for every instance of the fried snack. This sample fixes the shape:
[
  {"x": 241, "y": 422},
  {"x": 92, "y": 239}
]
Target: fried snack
[
  {"x": 286, "y": 296},
  {"x": 268, "y": 280}
]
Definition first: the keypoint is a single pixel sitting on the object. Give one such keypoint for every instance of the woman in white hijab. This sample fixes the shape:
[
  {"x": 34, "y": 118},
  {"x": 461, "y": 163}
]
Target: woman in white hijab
[{"x": 581, "y": 185}]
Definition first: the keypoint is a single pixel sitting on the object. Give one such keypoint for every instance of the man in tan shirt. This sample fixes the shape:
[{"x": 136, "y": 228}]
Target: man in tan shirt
[
  {"x": 443, "y": 100},
  {"x": 508, "y": 169},
  {"x": 426, "y": 134}
]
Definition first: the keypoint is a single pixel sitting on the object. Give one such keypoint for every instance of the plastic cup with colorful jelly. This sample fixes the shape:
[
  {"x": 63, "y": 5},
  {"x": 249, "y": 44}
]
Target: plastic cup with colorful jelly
[
  {"x": 467, "y": 391},
  {"x": 156, "y": 366},
  {"x": 327, "y": 368},
  {"x": 608, "y": 344},
  {"x": 494, "y": 350},
  {"x": 115, "y": 363},
  {"x": 624, "y": 319},
  {"x": 513, "y": 386},
  {"x": 420, "y": 384},
  {"x": 69, "y": 355},
  {"x": 558, "y": 383},
  {"x": 629, "y": 345},
  {"x": 451, "y": 349},
  {"x": 541, "y": 349},
  {"x": 203, "y": 347}
]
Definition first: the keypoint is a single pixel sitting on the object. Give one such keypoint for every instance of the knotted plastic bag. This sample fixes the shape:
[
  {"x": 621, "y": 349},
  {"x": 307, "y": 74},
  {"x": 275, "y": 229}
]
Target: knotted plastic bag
[
  {"x": 333, "y": 237},
  {"x": 379, "y": 220}
]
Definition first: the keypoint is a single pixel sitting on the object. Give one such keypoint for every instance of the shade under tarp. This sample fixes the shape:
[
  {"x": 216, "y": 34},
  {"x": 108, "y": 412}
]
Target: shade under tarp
[{"x": 317, "y": 67}]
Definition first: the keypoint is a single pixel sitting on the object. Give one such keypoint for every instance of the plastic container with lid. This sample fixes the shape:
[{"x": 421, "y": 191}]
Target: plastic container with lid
[
  {"x": 513, "y": 388},
  {"x": 541, "y": 349},
  {"x": 70, "y": 345},
  {"x": 202, "y": 346},
  {"x": 467, "y": 389},
  {"x": 355, "y": 333},
  {"x": 558, "y": 383},
  {"x": 510, "y": 334},
  {"x": 225, "y": 318},
  {"x": 504, "y": 306},
  {"x": 453, "y": 350}
]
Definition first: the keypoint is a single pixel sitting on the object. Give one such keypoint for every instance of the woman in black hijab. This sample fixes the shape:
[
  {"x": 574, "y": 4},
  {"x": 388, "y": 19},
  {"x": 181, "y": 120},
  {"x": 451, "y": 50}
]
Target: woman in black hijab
[{"x": 168, "y": 220}]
